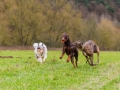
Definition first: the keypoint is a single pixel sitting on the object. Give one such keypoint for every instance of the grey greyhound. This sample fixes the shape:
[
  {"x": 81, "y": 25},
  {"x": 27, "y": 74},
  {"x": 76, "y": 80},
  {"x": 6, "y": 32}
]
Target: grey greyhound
[{"x": 88, "y": 49}]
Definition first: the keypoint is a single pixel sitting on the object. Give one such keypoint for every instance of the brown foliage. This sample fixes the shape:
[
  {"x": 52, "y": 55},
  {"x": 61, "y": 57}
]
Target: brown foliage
[{"x": 23, "y": 22}]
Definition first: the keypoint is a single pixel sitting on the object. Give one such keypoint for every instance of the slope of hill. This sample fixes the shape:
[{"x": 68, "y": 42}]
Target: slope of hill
[{"x": 100, "y": 7}]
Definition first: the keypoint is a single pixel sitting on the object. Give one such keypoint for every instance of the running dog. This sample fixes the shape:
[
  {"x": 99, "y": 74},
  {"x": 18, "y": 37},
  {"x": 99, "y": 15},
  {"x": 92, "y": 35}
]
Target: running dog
[
  {"x": 88, "y": 49},
  {"x": 40, "y": 51},
  {"x": 69, "y": 49}
]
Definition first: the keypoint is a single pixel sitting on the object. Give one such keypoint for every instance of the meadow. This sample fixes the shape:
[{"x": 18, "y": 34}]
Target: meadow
[{"x": 21, "y": 71}]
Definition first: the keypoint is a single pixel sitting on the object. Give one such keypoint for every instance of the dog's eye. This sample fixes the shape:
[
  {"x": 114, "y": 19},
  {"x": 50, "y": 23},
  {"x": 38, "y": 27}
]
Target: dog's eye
[{"x": 66, "y": 37}]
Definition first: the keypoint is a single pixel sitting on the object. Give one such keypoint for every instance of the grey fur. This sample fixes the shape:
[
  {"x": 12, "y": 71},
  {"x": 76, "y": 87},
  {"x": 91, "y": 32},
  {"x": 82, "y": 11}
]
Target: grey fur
[{"x": 88, "y": 49}]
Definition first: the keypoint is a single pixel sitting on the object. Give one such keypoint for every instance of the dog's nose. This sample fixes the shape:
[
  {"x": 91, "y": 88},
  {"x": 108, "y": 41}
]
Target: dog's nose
[
  {"x": 63, "y": 39},
  {"x": 38, "y": 48}
]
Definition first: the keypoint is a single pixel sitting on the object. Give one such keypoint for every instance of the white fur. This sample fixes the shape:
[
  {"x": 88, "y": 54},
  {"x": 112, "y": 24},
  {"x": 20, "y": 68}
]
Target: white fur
[{"x": 40, "y": 56}]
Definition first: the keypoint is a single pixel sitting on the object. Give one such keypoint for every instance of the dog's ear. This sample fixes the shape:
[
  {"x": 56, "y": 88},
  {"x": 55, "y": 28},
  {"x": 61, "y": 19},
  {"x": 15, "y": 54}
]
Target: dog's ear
[
  {"x": 63, "y": 33},
  {"x": 41, "y": 44},
  {"x": 35, "y": 45},
  {"x": 68, "y": 35}
]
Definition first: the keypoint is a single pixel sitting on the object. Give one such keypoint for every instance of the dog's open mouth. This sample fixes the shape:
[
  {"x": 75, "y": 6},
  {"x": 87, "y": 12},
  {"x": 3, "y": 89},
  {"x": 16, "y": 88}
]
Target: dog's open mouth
[
  {"x": 62, "y": 41},
  {"x": 38, "y": 50}
]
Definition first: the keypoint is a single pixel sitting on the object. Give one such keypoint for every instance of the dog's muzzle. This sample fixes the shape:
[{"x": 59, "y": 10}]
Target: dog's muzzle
[{"x": 63, "y": 40}]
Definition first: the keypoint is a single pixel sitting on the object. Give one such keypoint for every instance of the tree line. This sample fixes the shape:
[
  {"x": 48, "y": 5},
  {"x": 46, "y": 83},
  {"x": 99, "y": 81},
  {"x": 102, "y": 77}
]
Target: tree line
[{"x": 23, "y": 22}]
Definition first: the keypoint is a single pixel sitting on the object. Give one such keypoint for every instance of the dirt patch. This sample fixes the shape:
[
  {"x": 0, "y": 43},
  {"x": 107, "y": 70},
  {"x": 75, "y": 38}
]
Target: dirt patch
[
  {"x": 16, "y": 48},
  {"x": 12, "y": 57},
  {"x": 6, "y": 56}
]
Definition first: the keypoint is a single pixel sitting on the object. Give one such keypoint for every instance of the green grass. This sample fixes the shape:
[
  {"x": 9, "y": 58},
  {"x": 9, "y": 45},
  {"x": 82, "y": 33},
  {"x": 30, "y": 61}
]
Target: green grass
[{"x": 23, "y": 72}]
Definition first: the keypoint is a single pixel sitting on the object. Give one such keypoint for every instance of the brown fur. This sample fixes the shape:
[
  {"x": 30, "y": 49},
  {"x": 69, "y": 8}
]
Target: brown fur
[
  {"x": 88, "y": 49},
  {"x": 69, "y": 49}
]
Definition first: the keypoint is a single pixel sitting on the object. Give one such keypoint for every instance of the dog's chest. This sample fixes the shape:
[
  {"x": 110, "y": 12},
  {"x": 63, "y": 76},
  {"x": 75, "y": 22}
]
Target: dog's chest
[
  {"x": 40, "y": 54},
  {"x": 67, "y": 50}
]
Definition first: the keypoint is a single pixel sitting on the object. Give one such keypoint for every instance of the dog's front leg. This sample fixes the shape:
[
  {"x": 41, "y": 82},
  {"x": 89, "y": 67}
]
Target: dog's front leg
[
  {"x": 91, "y": 61},
  {"x": 44, "y": 58},
  {"x": 36, "y": 56},
  {"x": 63, "y": 52},
  {"x": 40, "y": 60},
  {"x": 69, "y": 57},
  {"x": 62, "y": 55}
]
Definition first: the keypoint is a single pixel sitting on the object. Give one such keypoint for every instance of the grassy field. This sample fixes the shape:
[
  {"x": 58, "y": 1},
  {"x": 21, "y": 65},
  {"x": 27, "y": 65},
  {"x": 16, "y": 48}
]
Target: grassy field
[{"x": 22, "y": 72}]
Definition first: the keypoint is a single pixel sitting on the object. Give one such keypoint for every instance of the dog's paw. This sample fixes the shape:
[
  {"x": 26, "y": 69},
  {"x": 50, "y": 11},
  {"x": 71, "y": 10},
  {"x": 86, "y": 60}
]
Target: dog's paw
[
  {"x": 67, "y": 60},
  {"x": 60, "y": 57}
]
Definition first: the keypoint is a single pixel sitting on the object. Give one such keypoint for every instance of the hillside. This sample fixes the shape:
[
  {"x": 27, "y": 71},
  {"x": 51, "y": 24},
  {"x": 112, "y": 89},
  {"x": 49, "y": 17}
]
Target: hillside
[{"x": 100, "y": 7}]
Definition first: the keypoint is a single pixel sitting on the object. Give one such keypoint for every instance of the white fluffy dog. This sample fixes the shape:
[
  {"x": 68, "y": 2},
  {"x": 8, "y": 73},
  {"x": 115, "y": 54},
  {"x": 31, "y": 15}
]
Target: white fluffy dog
[{"x": 40, "y": 51}]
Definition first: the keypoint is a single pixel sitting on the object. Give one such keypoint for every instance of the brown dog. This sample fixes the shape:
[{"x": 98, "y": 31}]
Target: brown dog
[
  {"x": 88, "y": 48},
  {"x": 69, "y": 49}
]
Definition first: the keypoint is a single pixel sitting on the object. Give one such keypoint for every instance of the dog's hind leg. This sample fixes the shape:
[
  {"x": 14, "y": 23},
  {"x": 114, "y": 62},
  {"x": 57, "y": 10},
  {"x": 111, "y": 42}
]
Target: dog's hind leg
[
  {"x": 72, "y": 61},
  {"x": 97, "y": 57},
  {"x": 97, "y": 51},
  {"x": 76, "y": 60}
]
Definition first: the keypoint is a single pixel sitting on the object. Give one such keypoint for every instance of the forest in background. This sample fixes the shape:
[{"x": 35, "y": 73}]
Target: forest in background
[{"x": 23, "y": 22}]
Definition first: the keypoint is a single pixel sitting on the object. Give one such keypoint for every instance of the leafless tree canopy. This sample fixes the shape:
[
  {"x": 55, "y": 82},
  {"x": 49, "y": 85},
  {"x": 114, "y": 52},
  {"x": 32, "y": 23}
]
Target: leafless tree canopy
[{"x": 23, "y": 22}]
